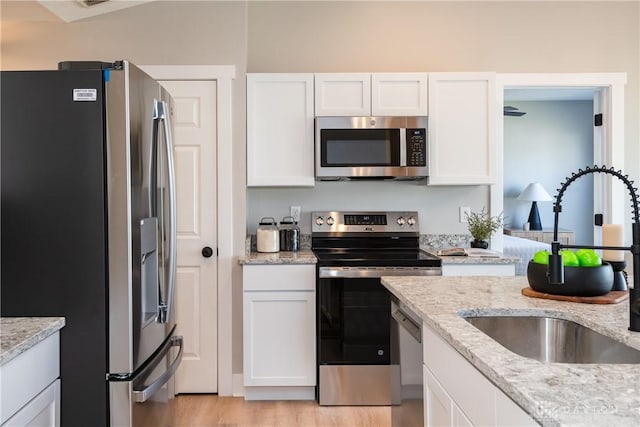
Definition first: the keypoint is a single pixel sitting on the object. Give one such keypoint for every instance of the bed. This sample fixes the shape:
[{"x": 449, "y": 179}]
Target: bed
[{"x": 523, "y": 249}]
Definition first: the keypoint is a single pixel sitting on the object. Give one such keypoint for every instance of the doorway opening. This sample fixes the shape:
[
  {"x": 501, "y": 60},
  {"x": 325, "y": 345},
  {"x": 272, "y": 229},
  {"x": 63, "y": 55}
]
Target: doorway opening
[
  {"x": 607, "y": 93},
  {"x": 551, "y": 136}
]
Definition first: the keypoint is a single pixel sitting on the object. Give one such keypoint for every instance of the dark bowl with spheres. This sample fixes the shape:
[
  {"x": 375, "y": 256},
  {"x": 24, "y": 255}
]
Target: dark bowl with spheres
[{"x": 578, "y": 281}]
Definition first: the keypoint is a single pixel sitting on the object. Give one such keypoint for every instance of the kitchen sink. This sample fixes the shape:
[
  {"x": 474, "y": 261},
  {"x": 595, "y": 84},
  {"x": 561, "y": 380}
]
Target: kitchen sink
[{"x": 553, "y": 340}]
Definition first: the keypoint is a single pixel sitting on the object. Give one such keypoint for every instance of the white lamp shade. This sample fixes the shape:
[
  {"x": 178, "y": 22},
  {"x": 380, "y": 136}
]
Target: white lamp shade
[{"x": 535, "y": 192}]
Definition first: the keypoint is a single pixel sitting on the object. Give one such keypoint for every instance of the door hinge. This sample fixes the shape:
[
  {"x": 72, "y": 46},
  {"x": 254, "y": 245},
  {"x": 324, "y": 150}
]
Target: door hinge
[
  {"x": 597, "y": 120},
  {"x": 598, "y": 220}
]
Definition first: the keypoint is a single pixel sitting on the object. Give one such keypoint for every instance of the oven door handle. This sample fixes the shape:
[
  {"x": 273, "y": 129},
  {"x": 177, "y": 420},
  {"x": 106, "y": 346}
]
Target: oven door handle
[{"x": 331, "y": 272}]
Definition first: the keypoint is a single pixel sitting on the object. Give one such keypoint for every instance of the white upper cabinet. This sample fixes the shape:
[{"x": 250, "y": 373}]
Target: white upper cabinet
[
  {"x": 365, "y": 94},
  {"x": 280, "y": 131},
  {"x": 399, "y": 94},
  {"x": 462, "y": 108},
  {"x": 344, "y": 94}
]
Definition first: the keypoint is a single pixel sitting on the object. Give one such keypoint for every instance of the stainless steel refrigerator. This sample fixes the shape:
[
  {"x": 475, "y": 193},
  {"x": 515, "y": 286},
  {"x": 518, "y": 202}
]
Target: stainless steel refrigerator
[{"x": 89, "y": 233}]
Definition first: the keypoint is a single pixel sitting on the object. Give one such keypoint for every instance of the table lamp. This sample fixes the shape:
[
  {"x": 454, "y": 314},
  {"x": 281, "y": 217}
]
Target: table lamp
[{"x": 534, "y": 192}]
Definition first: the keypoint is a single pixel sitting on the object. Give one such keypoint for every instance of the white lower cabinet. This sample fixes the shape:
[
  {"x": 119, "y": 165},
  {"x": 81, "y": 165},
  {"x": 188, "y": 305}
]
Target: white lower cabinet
[
  {"x": 42, "y": 411},
  {"x": 30, "y": 386},
  {"x": 457, "y": 394},
  {"x": 279, "y": 326}
]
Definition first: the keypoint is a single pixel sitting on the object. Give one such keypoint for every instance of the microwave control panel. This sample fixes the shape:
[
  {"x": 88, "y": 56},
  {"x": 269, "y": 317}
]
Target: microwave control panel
[{"x": 416, "y": 147}]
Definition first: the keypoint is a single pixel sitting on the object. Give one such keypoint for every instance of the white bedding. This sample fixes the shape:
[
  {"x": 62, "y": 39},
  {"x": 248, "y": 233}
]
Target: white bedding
[{"x": 523, "y": 249}]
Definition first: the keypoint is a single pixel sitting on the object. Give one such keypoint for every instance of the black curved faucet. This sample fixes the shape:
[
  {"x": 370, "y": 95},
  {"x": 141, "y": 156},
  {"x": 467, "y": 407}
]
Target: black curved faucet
[{"x": 556, "y": 269}]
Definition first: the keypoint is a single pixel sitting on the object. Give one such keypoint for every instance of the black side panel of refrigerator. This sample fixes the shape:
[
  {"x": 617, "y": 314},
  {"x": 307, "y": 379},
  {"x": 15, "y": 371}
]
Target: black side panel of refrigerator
[{"x": 54, "y": 224}]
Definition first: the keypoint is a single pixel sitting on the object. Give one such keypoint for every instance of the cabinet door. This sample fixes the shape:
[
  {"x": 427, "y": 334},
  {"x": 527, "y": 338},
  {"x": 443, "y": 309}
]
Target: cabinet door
[
  {"x": 42, "y": 411},
  {"x": 279, "y": 338},
  {"x": 346, "y": 94},
  {"x": 280, "y": 130},
  {"x": 399, "y": 94},
  {"x": 508, "y": 413},
  {"x": 462, "y": 117},
  {"x": 438, "y": 406}
]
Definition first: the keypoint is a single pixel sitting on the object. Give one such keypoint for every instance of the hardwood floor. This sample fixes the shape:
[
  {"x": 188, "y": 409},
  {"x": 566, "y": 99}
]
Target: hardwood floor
[{"x": 198, "y": 410}]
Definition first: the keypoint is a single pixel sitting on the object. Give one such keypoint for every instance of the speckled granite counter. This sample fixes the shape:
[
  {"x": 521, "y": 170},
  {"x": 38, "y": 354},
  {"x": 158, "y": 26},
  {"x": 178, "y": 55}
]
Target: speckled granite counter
[
  {"x": 19, "y": 334},
  {"x": 299, "y": 257},
  {"x": 554, "y": 394}
]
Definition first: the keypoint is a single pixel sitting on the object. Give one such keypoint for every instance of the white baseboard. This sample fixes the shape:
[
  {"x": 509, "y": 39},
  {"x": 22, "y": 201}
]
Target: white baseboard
[
  {"x": 238, "y": 385},
  {"x": 280, "y": 393}
]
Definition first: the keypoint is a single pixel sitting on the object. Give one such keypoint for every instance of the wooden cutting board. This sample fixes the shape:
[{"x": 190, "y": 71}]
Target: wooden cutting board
[{"x": 613, "y": 297}]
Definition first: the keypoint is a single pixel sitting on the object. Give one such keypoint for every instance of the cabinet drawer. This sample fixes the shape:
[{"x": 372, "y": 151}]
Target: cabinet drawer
[{"x": 299, "y": 277}]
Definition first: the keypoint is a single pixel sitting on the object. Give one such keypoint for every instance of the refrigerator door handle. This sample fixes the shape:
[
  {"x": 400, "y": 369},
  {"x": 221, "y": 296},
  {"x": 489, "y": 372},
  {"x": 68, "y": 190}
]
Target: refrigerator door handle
[
  {"x": 142, "y": 394},
  {"x": 166, "y": 306},
  {"x": 153, "y": 162}
]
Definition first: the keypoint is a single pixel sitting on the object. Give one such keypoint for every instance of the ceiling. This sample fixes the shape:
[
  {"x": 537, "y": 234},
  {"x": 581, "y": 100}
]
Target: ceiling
[
  {"x": 73, "y": 10},
  {"x": 549, "y": 94}
]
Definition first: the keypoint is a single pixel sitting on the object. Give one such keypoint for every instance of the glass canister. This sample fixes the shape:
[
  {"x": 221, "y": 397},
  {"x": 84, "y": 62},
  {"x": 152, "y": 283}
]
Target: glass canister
[
  {"x": 289, "y": 234},
  {"x": 267, "y": 236}
]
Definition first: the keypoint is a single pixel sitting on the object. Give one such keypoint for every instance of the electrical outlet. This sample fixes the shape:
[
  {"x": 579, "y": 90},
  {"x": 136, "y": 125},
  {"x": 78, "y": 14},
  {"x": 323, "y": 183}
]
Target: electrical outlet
[
  {"x": 295, "y": 213},
  {"x": 465, "y": 211}
]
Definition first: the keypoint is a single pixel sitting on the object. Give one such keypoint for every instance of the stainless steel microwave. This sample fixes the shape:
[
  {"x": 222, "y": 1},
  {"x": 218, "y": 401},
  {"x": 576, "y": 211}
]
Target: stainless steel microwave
[{"x": 371, "y": 148}]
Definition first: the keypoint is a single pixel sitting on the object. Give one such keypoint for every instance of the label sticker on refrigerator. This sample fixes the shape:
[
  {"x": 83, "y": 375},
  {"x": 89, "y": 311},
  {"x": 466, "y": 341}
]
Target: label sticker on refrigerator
[{"x": 85, "y": 94}]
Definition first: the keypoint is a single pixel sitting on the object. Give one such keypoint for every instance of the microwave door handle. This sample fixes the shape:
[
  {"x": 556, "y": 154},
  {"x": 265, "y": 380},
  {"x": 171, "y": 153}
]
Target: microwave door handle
[
  {"x": 403, "y": 147},
  {"x": 168, "y": 145}
]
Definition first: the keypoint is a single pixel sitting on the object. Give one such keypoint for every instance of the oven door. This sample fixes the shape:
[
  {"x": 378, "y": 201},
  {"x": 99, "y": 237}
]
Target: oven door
[
  {"x": 353, "y": 318},
  {"x": 353, "y": 342}
]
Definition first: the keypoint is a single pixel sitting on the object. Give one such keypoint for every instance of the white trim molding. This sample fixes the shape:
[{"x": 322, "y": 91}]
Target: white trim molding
[
  {"x": 613, "y": 132},
  {"x": 223, "y": 75}
]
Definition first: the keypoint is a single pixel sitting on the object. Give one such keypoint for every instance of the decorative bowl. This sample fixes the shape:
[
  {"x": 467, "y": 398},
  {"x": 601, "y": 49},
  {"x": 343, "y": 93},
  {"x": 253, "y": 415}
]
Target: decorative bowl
[{"x": 578, "y": 281}]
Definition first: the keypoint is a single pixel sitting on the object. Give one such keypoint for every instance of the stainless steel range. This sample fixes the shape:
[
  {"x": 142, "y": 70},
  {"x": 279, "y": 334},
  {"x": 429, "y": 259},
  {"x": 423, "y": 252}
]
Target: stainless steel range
[{"x": 354, "y": 250}]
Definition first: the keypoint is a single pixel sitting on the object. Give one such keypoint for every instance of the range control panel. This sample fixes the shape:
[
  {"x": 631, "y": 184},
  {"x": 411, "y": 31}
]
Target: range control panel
[{"x": 369, "y": 222}]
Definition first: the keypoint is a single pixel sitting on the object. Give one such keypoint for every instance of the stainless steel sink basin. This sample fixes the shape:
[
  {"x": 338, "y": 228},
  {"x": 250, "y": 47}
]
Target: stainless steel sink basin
[{"x": 552, "y": 340}]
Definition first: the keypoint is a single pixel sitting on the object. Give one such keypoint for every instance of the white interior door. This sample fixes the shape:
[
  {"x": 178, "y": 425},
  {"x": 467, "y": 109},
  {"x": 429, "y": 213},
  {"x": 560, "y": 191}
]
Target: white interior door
[{"x": 194, "y": 119}]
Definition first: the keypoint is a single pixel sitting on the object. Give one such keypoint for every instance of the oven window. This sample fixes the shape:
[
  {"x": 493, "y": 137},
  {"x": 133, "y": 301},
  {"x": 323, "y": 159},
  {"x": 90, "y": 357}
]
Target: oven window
[
  {"x": 354, "y": 321},
  {"x": 360, "y": 147}
]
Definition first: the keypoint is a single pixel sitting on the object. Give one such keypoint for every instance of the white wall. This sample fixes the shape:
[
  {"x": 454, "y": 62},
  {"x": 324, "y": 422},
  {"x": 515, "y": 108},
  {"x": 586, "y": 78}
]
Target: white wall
[
  {"x": 437, "y": 206},
  {"x": 554, "y": 139},
  {"x": 507, "y": 37}
]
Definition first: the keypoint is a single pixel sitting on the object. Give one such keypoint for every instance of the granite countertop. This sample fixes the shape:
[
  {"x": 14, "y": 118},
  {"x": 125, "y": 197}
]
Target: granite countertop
[
  {"x": 306, "y": 256},
  {"x": 19, "y": 334},
  {"x": 503, "y": 259},
  {"x": 555, "y": 394},
  {"x": 478, "y": 260},
  {"x": 303, "y": 256}
]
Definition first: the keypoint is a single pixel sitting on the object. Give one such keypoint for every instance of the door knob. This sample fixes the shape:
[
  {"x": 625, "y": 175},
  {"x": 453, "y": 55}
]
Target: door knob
[{"x": 207, "y": 252}]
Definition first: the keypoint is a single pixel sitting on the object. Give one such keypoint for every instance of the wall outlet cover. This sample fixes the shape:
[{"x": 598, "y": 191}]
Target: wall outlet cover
[{"x": 295, "y": 213}]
